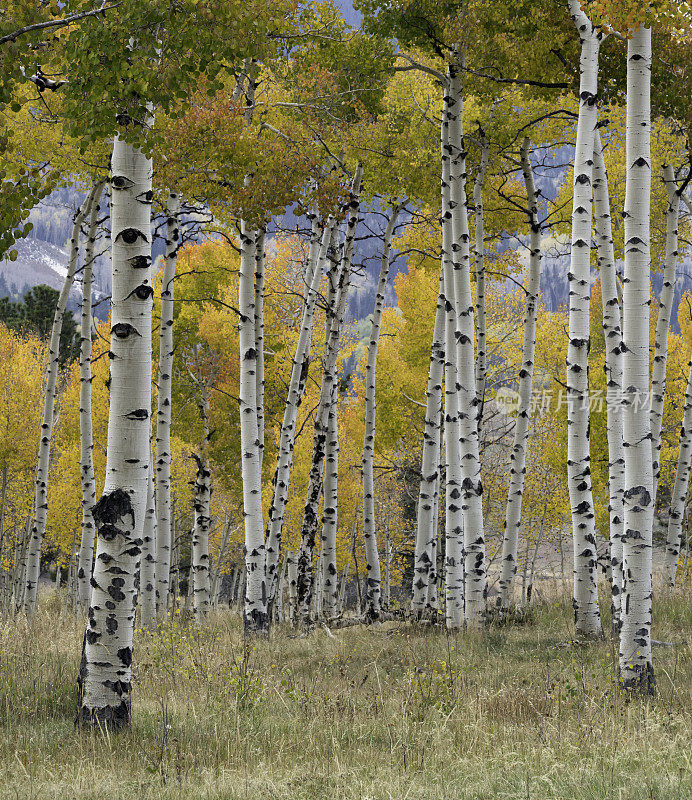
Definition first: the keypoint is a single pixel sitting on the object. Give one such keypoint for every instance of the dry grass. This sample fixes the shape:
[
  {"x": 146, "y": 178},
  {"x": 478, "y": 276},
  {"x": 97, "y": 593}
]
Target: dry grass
[{"x": 389, "y": 713}]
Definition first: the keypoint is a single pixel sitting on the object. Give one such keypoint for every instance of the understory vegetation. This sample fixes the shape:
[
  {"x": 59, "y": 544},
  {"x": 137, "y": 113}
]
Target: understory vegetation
[{"x": 390, "y": 712}]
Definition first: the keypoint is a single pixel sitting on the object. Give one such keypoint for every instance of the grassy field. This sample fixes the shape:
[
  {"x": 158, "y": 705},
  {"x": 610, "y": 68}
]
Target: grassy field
[{"x": 397, "y": 712}]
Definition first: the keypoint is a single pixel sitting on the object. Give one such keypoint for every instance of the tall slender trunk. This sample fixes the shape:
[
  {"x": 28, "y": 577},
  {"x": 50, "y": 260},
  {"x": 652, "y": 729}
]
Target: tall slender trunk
[
  {"x": 163, "y": 412},
  {"x": 260, "y": 236},
  {"x": 330, "y": 577},
  {"x": 636, "y": 664},
  {"x": 471, "y": 485},
  {"x": 517, "y": 473},
  {"x": 119, "y": 514},
  {"x": 336, "y": 310},
  {"x": 428, "y": 498},
  {"x": 255, "y": 613},
  {"x": 612, "y": 332},
  {"x": 682, "y": 478},
  {"x": 587, "y": 619},
  {"x": 665, "y": 305},
  {"x": 38, "y": 527},
  {"x": 479, "y": 258},
  {"x": 373, "y": 595},
  {"x": 316, "y": 260},
  {"x": 202, "y": 523},
  {"x": 86, "y": 438},
  {"x": 454, "y": 564},
  {"x": 147, "y": 569}
]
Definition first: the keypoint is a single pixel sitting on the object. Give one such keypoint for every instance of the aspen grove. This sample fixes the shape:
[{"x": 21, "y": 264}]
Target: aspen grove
[{"x": 370, "y": 348}]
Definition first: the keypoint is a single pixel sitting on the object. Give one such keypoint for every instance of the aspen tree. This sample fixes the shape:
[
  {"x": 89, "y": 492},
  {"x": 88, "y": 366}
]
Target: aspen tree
[
  {"x": 665, "y": 306},
  {"x": 202, "y": 521},
  {"x": 612, "y": 332},
  {"x": 105, "y": 672},
  {"x": 336, "y": 310},
  {"x": 317, "y": 257},
  {"x": 479, "y": 260},
  {"x": 373, "y": 598},
  {"x": 682, "y": 478},
  {"x": 587, "y": 618},
  {"x": 330, "y": 576},
  {"x": 163, "y": 412},
  {"x": 259, "y": 333},
  {"x": 454, "y": 574},
  {"x": 86, "y": 438},
  {"x": 255, "y": 615},
  {"x": 515, "y": 491},
  {"x": 38, "y": 526},
  {"x": 147, "y": 569},
  {"x": 636, "y": 666},
  {"x": 428, "y": 498},
  {"x": 469, "y": 456}
]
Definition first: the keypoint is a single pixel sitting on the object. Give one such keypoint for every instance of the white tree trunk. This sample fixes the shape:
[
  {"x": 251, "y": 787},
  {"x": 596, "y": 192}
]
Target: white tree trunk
[
  {"x": 335, "y": 312},
  {"x": 636, "y": 666},
  {"x": 330, "y": 576},
  {"x": 428, "y": 498},
  {"x": 373, "y": 598},
  {"x": 479, "y": 257},
  {"x": 587, "y": 618},
  {"x": 665, "y": 305},
  {"x": 86, "y": 439},
  {"x": 454, "y": 546},
  {"x": 682, "y": 478},
  {"x": 163, "y": 413},
  {"x": 612, "y": 332},
  {"x": 38, "y": 527},
  {"x": 255, "y": 614},
  {"x": 471, "y": 486},
  {"x": 119, "y": 515},
  {"x": 202, "y": 524},
  {"x": 260, "y": 235},
  {"x": 316, "y": 260},
  {"x": 147, "y": 569},
  {"x": 515, "y": 492}
]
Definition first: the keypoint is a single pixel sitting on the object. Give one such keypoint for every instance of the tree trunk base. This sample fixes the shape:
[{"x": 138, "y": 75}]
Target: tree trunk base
[{"x": 640, "y": 681}]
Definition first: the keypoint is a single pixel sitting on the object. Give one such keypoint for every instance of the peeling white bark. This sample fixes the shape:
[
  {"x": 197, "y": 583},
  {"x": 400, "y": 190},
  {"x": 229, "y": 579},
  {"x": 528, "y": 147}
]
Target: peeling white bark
[
  {"x": 636, "y": 666},
  {"x": 587, "y": 619},
  {"x": 105, "y": 672},
  {"x": 515, "y": 492}
]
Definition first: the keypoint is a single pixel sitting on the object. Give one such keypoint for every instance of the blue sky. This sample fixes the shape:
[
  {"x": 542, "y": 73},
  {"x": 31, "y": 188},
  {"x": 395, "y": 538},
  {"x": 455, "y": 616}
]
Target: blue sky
[{"x": 350, "y": 15}]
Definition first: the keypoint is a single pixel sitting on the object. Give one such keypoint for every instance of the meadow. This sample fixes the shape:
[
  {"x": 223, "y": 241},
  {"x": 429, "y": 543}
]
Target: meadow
[{"x": 398, "y": 711}]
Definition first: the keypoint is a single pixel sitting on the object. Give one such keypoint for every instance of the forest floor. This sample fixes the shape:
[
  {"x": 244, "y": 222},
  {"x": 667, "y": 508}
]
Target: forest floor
[{"x": 397, "y": 712}]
